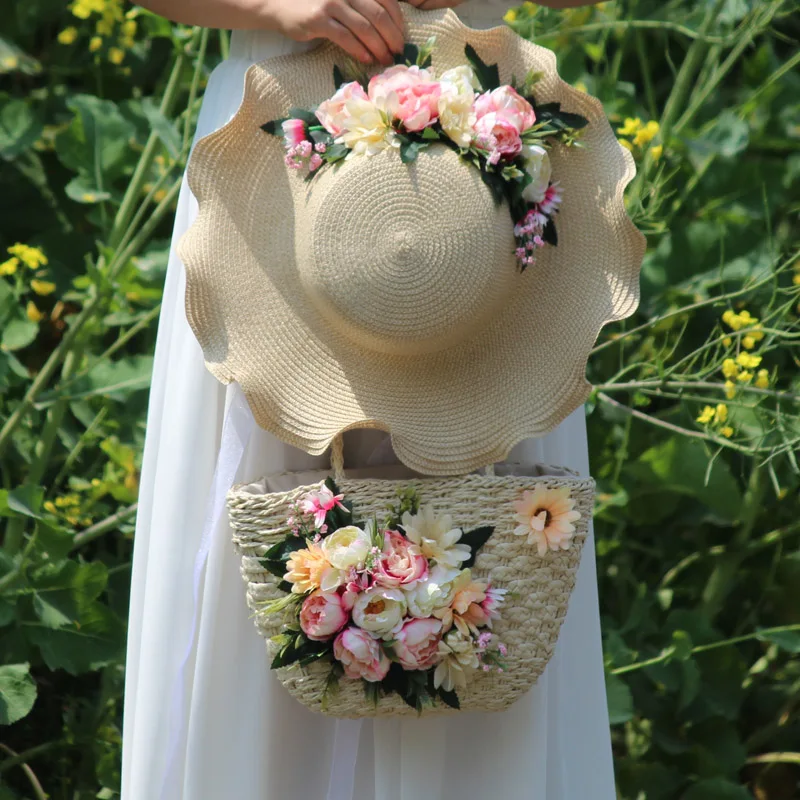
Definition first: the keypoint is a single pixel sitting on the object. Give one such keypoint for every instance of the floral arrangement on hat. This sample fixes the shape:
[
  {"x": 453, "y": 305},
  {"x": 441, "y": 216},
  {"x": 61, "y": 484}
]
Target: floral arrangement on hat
[
  {"x": 498, "y": 128},
  {"x": 391, "y": 603}
]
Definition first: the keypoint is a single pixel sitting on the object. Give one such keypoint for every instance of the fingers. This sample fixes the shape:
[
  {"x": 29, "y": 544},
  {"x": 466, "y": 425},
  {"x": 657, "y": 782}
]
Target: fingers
[
  {"x": 367, "y": 20},
  {"x": 429, "y": 5},
  {"x": 343, "y": 38}
]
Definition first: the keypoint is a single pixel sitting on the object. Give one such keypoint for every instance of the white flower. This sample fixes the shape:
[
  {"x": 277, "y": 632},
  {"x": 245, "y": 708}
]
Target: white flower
[
  {"x": 456, "y": 114},
  {"x": 537, "y": 165},
  {"x": 347, "y": 547},
  {"x": 435, "y": 591},
  {"x": 380, "y": 611},
  {"x": 458, "y": 659},
  {"x": 365, "y": 128},
  {"x": 436, "y": 537}
]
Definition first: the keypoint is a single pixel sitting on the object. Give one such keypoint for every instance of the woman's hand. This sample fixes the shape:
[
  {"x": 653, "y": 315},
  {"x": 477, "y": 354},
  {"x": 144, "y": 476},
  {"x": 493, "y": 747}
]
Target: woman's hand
[
  {"x": 428, "y": 5},
  {"x": 369, "y": 30}
]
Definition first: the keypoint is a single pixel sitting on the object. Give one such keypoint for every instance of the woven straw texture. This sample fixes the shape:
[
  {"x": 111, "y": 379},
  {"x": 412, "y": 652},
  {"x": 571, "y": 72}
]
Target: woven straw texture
[
  {"x": 539, "y": 588},
  {"x": 382, "y": 295}
]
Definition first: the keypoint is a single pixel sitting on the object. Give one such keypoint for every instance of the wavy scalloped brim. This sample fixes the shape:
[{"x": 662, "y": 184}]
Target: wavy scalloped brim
[{"x": 450, "y": 411}]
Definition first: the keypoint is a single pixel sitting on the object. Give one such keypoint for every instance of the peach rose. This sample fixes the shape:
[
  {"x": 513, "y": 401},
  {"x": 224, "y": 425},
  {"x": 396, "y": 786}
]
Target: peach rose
[
  {"x": 401, "y": 564},
  {"x": 360, "y": 655},
  {"x": 407, "y": 93},
  {"x": 322, "y": 615},
  {"x": 332, "y": 113},
  {"x": 417, "y": 643}
]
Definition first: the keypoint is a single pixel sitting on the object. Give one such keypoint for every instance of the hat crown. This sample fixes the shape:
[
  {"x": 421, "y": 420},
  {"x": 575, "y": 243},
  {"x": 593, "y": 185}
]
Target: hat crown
[{"x": 393, "y": 268}]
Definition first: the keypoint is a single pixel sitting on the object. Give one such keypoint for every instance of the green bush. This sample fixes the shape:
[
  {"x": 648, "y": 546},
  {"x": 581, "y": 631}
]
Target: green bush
[{"x": 694, "y": 423}]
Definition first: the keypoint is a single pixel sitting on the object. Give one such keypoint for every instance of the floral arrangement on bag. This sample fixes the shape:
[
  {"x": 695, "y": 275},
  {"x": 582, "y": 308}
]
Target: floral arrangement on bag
[
  {"x": 499, "y": 128},
  {"x": 391, "y": 603}
]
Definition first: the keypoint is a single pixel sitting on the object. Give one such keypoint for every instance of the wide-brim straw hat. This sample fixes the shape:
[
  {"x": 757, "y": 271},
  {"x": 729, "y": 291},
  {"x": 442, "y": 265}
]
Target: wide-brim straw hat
[{"x": 387, "y": 295}]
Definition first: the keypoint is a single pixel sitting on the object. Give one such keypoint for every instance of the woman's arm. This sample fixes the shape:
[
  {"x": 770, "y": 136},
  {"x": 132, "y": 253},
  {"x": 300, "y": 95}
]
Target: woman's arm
[{"x": 366, "y": 29}]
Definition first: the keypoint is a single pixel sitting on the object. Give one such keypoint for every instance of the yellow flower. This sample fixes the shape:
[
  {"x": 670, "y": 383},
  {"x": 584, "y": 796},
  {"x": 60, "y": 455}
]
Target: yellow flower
[
  {"x": 727, "y": 341},
  {"x": 646, "y": 134},
  {"x": 581, "y": 87},
  {"x": 744, "y": 377},
  {"x": 748, "y": 360},
  {"x": 729, "y": 368},
  {"x": 68, "y": 35},
  {"x": 706, "y": 415},
  {"x": 42, "y": 287},
  {"x": 33, "y": 313},
  {"x": 626, "y": 144},
  {"x": 727, "y": 431},
  {"x": 748, "y": 342},
  {"x": 730, "y": 318},
  {"x": 510, "y": 15},
  {"x": 730, "y": 390},
  {"x": 83, "y": 9},
  {"x": 762, "y": 379},
  {"x": 129, "y": 28},
  {"x": 104, "y": 27},
  {"x": 656, "y": 150},
  {"x": 32, "y": 257},
  {"x": 720, "y": 414},
  {"x": 630, "y": 127},
  {"x": 49, "y": 506},
  {"x": 159, "y": 195},
  {"x": 796, "y": 279},
  {"x": 95, "y": 43},
  {"x": 115, "y": 55},
  {"x": 9, "y": 267},
  {"x": 10, "y": 62}
]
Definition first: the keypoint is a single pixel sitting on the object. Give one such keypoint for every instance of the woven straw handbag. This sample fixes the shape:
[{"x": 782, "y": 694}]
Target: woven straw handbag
[{"x": 537, "y": 586}]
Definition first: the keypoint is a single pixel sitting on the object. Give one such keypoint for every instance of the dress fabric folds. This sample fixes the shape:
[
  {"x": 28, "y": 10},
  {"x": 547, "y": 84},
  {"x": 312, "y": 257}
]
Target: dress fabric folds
[{"x": 232, "y": 731}]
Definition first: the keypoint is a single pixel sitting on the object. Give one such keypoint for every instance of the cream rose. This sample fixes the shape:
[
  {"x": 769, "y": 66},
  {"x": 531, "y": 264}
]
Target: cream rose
[
  {"x": 365, "y": 128},
  {"x": 537, "y": 165},
  {"x": 379, "y": 610},
  {"x": 333, "y": 112},
  {"x": 434, "y": 592},
  {"x": 456, "y": 114},
  {"x": 346, "y": 547}
]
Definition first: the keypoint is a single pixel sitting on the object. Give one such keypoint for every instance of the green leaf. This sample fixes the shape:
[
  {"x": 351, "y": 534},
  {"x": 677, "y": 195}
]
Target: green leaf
[
  {"x": 488, "y": 75},
  {"x": 20, "y": 126},
  {"x": 281, "y": 550},
  {"x": 430, "y": 133},
  {"x": 786, "y": 640},
  {"x": 62, "y": 591},
  {"x": 17, "y": 692},
  {"x": 338, "y": 76},
  {"x": 410, "y": 149},
  {"x": 448, "y": 698},
  {"x": 164, "y": 128},
  {"x": 620, "y": 700},
  {"x": 23, "y": 501},
  {"x": 274, "y": 126},
  {"x": 82, "y": 190},
  {"x": 18, "y": 333},
  {"x": 476, "y": 538},
  {"x": 309, "y": 117},
  {"x": 277, "y": 568},
  {"x": 549, "y": 233}
]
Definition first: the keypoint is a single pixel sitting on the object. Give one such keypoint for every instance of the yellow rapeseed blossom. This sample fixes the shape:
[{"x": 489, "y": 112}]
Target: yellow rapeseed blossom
[
  {"x": 727, "y": 341},
  {"x": 9, "y": 267},
  {"x": 31, "y": 257},
  {"x": 632, "y": 126},
  {"x": 50, "y": 506},
  {"x": 104, "y": 27},
  {"x": 744, "y": 377},
  {"x": 656, "y": 150},
  {"x": 581, "y": 87},
  {"x": 42, "y": 287},
  {"x": 730, "y": 390},
  {"x": 720, "y": 414},
  {"x": 159, "y": 195},
  {"x": 510, "y": 15},
  {"x": 626, "y": 144},
  {"x": 83, "y": 9},
  {"x": 796, "y": 279},
  {"x": 706, "y": 415},
  {"x": 741, "y": 320},
  {"x": 115, "y": 55},
  {"x": 10, "y": 62},
  {"x": 762, "y": 379},
  {"x": 68, "y": 35},
  {"x": 33, "y": 313},
  {"x": 95, "y": 43},
  {"x": 748, "y": 360},
  {"x": 129, "y": 27},
  {"x": 646, "y": 134},
  {"x": 726, "y": 431},
  {"x": 729, "y": 368}
]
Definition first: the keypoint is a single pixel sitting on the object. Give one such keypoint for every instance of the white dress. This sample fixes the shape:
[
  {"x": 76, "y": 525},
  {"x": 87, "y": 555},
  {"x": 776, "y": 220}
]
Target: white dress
[{"x": 216, "y": 725}]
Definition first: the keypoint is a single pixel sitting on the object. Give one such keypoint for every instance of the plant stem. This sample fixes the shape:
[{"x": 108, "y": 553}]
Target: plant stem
[
  {"x": 104, "y": 526},
  {"x": 775, "y": 758},
  {"x": 17, "y": 759}
]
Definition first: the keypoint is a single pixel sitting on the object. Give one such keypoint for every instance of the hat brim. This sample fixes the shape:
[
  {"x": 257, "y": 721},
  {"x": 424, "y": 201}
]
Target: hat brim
[{"x": 450, "y": 411}]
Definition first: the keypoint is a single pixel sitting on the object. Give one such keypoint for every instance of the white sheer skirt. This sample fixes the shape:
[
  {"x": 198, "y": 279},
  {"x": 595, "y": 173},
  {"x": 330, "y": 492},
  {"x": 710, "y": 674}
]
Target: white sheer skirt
[{"x": 238, "y": 734}]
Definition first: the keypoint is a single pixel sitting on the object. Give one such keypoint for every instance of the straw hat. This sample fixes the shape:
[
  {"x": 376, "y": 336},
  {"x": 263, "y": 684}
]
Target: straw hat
[{"x": 387, "y": 295}]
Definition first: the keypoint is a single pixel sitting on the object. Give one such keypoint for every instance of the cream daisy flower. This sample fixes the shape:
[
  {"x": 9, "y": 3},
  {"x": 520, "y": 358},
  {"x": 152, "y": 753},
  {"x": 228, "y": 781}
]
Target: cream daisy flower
[
  {"x": 546, "y": 517},
  {"x": 458, "y": 660}
]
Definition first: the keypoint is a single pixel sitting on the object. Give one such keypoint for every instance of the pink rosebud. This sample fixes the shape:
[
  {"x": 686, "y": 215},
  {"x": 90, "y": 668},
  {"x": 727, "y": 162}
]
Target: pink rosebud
[
  {"x": 332, "y": 113},
  {"x": 417, "y": 643},
  {"x": 294, "y": 132},
  {"x": 360, "y": 655},
  {"x": 401, "y": 564},
  {"x": 409, "y": 94},
  {"x": 322, "y": 615}
]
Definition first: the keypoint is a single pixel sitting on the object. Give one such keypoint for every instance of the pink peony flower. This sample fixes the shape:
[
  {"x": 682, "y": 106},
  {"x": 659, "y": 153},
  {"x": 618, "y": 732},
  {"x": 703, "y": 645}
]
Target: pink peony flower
[
  {"x": 417, "y": 643},
  {"x": 357, "y": 582},
  {"x": 332, "y": 113},
  {"x": 498, "y": 136},
  {"x": 322, "y": 615},
  {"x": 319, "y": 503},
  {"x": 294, "y": 132},
  {"x": 407, "y": 93},
  {"x": 360, "y": 655},
  {"x": 509, "y": 104},
  {"x": 401, "y": 564}
]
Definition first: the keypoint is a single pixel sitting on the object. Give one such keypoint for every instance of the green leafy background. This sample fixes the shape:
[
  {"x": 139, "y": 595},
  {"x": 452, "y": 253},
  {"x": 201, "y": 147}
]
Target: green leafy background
[{"x": 697, "y": 522}]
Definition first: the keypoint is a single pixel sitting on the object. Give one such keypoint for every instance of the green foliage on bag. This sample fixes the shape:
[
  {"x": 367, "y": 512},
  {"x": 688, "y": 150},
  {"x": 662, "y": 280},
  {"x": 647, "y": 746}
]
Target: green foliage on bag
[{"x": 694, "y": 425}]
